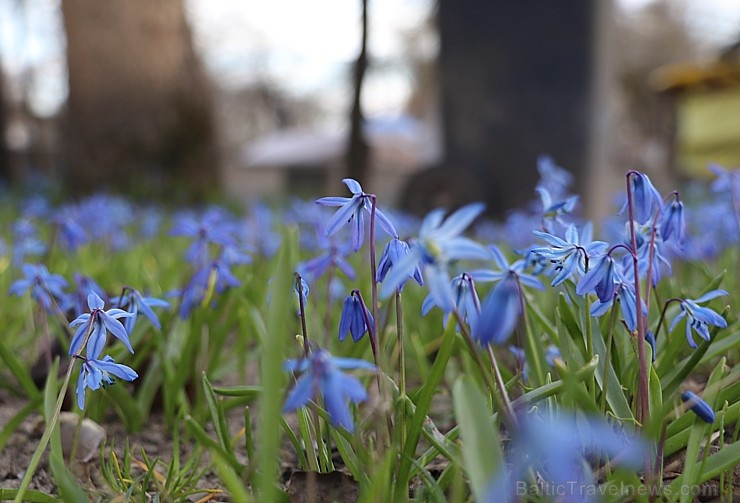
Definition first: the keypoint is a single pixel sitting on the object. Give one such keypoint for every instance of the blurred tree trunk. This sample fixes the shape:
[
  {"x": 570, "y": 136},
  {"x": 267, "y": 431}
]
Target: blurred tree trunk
[
  {"x": 517, "y": 81},
  {"x": 5, "y": 172},
  {"x": 139, "y": 111},
  {"x": 357, "y": 150}
]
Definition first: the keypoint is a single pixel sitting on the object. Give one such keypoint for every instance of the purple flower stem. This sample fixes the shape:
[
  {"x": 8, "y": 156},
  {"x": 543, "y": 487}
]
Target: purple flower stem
[
  {"x": 373, "y": 266},
  {"x": 495, "y": 386},
  {"x": 662, "y": 315},
  {"x": 376, "y": 357},
  {"x": 371, "y": 334},
  {"x": 642, "y": 382}
]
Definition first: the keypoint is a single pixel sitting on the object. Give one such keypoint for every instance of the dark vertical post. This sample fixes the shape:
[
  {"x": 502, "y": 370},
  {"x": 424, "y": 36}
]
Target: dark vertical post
[
  {"x": 516, "y": 81},
  {"x": 357, "y": 149}
]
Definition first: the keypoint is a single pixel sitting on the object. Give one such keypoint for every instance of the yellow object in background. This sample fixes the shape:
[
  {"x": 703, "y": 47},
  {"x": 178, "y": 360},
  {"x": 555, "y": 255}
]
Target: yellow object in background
[{"x": 708, "y": 130}]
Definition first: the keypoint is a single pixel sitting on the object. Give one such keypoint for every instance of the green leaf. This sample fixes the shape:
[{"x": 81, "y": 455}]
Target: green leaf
[
  {"x": 481, "y": 448},
  {"x": 231, "y": 479},
  {"x": 126, "y": 406},
  {"x": 272, "y": 376},
  {"x": 423, "y": 402},
  {"x": 68, "y": 487},
  {"x": 655, "y": 397},
  {"x": 569, "y": 320},
  {"x": 699, "y": 431},
  {"x": 217, "y": 416},
  {"x": 29, "y": 495},
  {"x": 673, "y": 380},
  {"x": 250, "y": 392},
  {"x": 725, "y": 459},
  {"x": 202, "y": 437},
  {"x": 615, "y": 392},
  {"x": 19, "y": 371}
]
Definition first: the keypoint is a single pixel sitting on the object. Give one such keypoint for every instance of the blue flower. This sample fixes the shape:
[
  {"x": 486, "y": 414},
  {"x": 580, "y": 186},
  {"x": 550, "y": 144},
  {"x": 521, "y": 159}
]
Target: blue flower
[
  {"x": 553, "y": 211},
  {"x": 505, "y": 269},
  {"x": 95, "y": 373},
  {"x": 216, "y": 276},
  {"x": 46, "y": 288},
  {"x": 698, "y": 406},
  {"x": 395, "y": 250},
  {"x": 333, "y": 257},
  {"x": 353, "y": 317},
  {"x": 501, "y": 308},
  {"x": 554, "y": 446},
  {"x": 698, "y": 318},
  {"x": 25, "y": 241},
  {"x": 727, "y": 180},
  {"x": 645, "y": 196},
  {"x": 672, "y": 224},
  {"x": 625, "y": 295},
  {"x": 650, "y": 339},
  {"x": 466, "y": 299},
  {"x": 77, "y": 301},
  {"x": 439, "y": 242},
  {"x": 214, "y": 226},
  {"x": 499, "y": 313},
  {"x": 351, "y": 208},
  {"x": 134, "y": 302},
  {"x": 321, "y": 375},
  {"x": 569, "y": 255},
  {"x": 304, "y": 290},
  {"x": 98, "y": 322},
  {"x": 601, "y": 278},
  {"x": 553, "y": 178},
  {"x": 70, "y": 232},
  {"x": 551, "y": 354}
]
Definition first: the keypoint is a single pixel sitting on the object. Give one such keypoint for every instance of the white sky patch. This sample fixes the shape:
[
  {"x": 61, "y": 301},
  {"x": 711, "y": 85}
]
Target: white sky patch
[{"x": 305, "y": 48}]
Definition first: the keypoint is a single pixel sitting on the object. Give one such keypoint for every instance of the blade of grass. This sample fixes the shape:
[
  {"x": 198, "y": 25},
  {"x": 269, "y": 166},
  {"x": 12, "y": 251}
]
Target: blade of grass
[
  {"x": 423, "y": 402},
  {"x": 481, "y": 447}
]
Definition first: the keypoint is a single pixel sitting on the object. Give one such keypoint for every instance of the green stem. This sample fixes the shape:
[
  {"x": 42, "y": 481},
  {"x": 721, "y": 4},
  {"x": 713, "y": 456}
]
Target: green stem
[
  {"x": 497, "y": 391},
  {"x": 608, "y": 358},
  {"x": 500, "y": 382},
  {"x": 53, "y": 421},
  {"x": 46, "y": 436},
  {"x": 537, "y": 374},
  {"x": 401, "y": 369},
  {"x": 590, "y": 345}
]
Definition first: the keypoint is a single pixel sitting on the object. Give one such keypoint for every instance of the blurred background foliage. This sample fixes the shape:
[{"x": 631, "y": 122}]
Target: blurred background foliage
[{"x": 187, "y": 99}]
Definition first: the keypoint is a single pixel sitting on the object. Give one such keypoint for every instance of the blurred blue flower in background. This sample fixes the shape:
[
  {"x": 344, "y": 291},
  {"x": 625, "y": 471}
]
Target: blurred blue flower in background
[
  {"x": 466, "y": 300},
  {"x": 393, "y": 253},
  {"x": 134, "y": 302},
  {"x": 554, "y": 446},
  {"x": 321, "y": 375},
  {"x": 439, "y": 243},
  {"x": 46, "y": 288}
]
